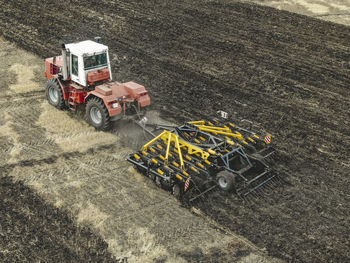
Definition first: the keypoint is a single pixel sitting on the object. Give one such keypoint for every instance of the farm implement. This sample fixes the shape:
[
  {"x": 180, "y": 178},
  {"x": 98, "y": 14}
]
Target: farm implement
[
  {"x": 192, "y": 159},
  {"x": 188, "y": 160}
]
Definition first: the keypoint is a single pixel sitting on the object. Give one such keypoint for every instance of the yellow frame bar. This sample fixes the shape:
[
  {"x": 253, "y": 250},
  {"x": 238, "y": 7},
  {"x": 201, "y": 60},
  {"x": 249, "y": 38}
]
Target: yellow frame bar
[
  {"x": 224, "y": 131},
  {"x": 234, "y": 135},
  {"x": 145, "y": 147},
  {"x": 197, "y": 122},
  {"x": 167, "y": 149},
  {"x": 169, "y": 137},
  {"x": 179, "y": 149},
  {"x": 215, "y": 128}
]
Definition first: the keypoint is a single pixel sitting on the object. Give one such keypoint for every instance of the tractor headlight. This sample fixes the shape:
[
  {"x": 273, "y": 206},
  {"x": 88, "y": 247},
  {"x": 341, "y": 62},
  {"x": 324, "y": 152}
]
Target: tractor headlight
[{"x": 115, "y": 105}]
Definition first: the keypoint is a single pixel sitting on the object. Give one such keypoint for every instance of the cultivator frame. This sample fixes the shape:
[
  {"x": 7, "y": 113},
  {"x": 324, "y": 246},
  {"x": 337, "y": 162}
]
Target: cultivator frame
[
  {"x": 252, "y": 143},
  {"x": 192, "y": 159}
]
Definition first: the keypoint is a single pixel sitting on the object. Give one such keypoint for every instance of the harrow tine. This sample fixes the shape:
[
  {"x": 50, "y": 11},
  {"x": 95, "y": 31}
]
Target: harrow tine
[
  {"x": 259, "y": 193},
  {"x": 202, "y": 193},
  {"x": 266, "y": 190},
  {"x": 261, "y": 190},
  {"x": 274, "y": 182},
  {"x": 278, "y": 183},
  {"x": 277, "y": 180},
  {"x": 250, "y": 198},
  {"x": 266, "y": 193},
  {"x": 268, "y": 185},
  {"x": 254, "y": 193}
]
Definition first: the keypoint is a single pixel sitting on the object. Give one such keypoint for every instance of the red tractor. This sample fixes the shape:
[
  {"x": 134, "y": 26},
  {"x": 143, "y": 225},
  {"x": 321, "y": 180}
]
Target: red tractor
[{"x": 82, "y": 75}]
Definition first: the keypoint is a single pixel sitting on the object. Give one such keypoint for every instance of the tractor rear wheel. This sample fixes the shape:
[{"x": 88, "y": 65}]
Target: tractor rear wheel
[
  {"x": 54, "y": 94},
  {"x": 226, "y": 180},
  {"x": 97, "y": 114}
]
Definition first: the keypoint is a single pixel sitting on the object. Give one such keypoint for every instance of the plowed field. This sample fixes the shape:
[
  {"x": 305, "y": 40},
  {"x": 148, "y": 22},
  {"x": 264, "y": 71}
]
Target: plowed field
[
  {"x": 287, "y": 73},
  {"x": 336, "y": 11},
  {"x": 68, "y": 195}
]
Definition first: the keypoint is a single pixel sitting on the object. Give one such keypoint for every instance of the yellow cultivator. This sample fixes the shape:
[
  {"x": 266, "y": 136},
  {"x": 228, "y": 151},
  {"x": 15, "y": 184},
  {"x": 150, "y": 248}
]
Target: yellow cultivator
[{"x": 194, "y": 158}]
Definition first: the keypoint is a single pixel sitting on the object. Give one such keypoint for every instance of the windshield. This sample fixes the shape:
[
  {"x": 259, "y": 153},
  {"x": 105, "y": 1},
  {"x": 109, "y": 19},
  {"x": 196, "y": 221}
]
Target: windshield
[{"x": 95, "y": 61}]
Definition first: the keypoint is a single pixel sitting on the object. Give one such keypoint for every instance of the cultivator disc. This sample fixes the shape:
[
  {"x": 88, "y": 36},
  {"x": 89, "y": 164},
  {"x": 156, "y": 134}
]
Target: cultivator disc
[{"x": 192, "y": 159}]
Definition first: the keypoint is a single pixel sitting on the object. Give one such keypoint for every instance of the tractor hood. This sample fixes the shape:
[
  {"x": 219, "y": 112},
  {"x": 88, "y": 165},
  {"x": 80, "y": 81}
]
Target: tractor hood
[{"x": 128, "y": 91}]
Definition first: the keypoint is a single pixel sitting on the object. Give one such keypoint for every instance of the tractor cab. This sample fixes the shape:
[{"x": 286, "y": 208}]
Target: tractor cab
[{"x": 87, "y": 62}]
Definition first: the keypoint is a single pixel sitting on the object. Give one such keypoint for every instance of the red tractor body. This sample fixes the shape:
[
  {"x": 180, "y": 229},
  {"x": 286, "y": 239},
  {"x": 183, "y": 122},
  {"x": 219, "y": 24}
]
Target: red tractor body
[{"x": 82, "y": 75}]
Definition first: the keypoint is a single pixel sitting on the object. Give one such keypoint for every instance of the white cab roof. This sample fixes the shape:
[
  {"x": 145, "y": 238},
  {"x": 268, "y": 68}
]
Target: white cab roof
[{"x": 87, "y": 47}]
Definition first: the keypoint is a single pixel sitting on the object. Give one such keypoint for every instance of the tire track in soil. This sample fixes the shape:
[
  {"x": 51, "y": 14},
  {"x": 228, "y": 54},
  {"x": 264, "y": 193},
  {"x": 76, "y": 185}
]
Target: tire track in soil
[
  {"x": 33, "y": 230},
  {"x": 281, "y": 65}
]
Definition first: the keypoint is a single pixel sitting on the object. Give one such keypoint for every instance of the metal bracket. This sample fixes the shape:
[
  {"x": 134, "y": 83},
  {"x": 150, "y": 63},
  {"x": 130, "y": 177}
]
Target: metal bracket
[{"x": 222, "y": 114}]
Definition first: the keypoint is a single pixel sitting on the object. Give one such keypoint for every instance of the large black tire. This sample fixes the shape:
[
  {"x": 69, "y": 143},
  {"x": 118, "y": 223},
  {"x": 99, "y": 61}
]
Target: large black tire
[
  {"x": 97, "y": 114},
  {"x": 54, "y": 94},
  {"x": 226, "y": 180}
]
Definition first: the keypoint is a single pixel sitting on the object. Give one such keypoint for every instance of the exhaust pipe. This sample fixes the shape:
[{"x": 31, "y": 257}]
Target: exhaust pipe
[{"x": 64, "y": 66}]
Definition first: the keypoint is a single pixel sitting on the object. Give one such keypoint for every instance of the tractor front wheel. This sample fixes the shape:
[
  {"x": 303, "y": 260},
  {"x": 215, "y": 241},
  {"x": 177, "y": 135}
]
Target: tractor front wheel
[
  {"x": 97, "y": 114},
  {"x": 226, "y": 180},
  {"x": 54, "y": 94}
]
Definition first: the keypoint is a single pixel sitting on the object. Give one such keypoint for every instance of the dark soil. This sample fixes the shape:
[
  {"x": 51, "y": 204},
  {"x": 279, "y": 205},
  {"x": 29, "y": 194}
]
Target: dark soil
[
  {"x": 286, "y": 72},
  {"x": 31, "y": 230}
]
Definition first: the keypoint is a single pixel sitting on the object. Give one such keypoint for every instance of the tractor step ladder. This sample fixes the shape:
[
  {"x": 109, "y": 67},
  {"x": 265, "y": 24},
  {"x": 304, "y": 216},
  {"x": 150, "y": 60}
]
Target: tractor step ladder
[{"x": 72, "y": 105}]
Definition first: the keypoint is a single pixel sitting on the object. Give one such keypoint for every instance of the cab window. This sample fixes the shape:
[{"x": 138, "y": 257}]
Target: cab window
[
  {"x": 74, "y": 65},
  {"x": 95, "y": 61}
]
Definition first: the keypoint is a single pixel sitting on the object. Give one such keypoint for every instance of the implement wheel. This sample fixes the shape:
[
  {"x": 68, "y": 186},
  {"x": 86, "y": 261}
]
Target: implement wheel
[
  {"x": 176, "y": 191},
  {"x": 54, "y": 94},
  {"x": 97, "y": 114},
  {"x": 225, "y": 180}
]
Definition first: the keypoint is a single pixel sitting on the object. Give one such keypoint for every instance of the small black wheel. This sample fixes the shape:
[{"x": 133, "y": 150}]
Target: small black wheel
[
  {"x": 152, "y": 177},
  {"x": 54, "y": 94},
  {"x": 176, "y": 191},
  {"x": 226, "y": 180},
  {"x": 97, "y": 114},
  {"x": 158, "y": 181}
]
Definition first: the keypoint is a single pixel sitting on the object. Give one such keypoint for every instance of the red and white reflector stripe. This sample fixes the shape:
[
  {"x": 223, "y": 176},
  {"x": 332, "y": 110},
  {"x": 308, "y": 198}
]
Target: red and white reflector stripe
[
  {"x": 187, "y": 183},
  {"x": 267, "y": 139}
]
